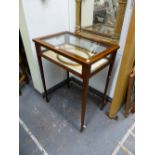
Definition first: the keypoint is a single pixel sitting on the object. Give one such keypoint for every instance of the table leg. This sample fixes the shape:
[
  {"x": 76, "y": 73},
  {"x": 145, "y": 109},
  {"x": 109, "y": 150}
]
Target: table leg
[
  {"x": 68, "y": 79},
  {"x": 84, "y": 96},
  {"x": 107, "y": 81},
  {"x": 41, "y": 71},
  {"x": 20, "y": 92}
]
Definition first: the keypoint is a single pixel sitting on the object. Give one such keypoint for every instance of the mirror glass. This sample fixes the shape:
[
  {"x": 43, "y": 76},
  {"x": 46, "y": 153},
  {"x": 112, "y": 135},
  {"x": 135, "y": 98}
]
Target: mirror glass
[{"x": 99, "y": 16}]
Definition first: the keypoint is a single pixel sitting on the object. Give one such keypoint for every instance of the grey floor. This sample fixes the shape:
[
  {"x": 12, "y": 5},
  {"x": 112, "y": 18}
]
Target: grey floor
[{"x": 56, "y": 124}]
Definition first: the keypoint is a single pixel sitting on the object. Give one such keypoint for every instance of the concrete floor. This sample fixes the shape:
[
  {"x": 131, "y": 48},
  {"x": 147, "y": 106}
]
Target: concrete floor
[{"x": 56, "y": 124}]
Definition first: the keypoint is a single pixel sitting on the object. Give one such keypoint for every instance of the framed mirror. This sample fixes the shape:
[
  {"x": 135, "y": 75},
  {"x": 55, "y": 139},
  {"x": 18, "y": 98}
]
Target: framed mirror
[{"x": 100, "y": 17}]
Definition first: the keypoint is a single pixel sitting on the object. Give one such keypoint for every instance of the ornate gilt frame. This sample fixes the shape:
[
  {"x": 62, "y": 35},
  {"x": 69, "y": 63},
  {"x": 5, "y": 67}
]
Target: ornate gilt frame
[{"x": 119, "y": 19}]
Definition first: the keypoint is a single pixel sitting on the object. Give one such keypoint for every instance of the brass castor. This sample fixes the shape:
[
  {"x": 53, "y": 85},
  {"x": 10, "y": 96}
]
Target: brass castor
[{"x": 82, "y": 128}]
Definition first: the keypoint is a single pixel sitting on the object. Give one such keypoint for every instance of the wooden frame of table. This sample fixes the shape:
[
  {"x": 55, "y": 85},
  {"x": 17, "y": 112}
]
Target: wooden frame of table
[{"x": 86, "y": 65}]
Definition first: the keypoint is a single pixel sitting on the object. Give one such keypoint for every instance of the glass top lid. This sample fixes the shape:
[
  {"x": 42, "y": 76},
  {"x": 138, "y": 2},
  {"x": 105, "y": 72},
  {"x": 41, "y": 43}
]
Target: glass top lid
[{"x": 77, "y": 45}]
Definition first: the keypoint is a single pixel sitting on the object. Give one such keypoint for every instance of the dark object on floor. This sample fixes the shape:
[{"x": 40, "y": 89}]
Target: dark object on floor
[
  {"x": 130, "y": 101},
  {"x": 23, "y": 78},
  {"x": 24, "y": 71}
]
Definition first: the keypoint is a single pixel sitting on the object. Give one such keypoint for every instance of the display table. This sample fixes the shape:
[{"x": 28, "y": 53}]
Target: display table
[{"x": 82, "y": 56}]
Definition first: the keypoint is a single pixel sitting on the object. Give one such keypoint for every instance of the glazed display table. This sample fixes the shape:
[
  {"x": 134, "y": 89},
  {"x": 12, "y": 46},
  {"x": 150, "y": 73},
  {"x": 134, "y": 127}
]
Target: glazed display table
[{"x": 82, "y": 56}]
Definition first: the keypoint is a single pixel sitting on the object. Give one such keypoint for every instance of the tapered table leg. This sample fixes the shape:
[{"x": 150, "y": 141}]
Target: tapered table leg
[
  {"x": 107, "y": 81},
  {"x": 68, "y": 80},
  {"x": 41, "y": 71},
  {"x": 86, "y": 71}
]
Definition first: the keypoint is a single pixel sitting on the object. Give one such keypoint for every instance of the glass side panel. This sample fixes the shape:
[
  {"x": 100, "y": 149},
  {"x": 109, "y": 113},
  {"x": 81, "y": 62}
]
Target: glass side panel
[{"x": 79, "y": 46}]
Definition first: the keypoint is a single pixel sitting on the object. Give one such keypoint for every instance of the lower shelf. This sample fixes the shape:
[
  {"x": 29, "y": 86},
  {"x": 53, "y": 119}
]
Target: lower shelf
[{"x": 76, "y": 68}]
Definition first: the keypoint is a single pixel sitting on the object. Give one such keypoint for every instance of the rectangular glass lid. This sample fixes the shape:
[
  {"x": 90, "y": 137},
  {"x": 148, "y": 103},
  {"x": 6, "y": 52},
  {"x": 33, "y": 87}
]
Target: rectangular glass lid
[{"x": 76, "y": 45}]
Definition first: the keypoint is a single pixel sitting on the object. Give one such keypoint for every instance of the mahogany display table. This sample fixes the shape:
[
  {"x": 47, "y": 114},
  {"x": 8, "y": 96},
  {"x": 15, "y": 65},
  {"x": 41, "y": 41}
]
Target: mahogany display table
[{"x": 82, "y": 56}]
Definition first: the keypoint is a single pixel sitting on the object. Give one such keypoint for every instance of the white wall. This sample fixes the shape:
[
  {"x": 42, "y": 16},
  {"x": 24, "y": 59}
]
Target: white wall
[
  {"x": 27, "y": 45},
  {"x": 72, "y": 14},
  {"x": 41, "y": 17},
  {"x": 87, "y": 12}
]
